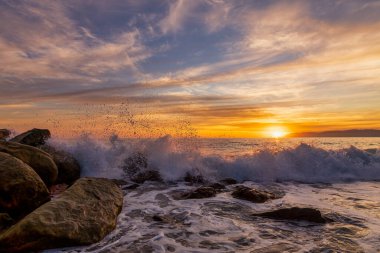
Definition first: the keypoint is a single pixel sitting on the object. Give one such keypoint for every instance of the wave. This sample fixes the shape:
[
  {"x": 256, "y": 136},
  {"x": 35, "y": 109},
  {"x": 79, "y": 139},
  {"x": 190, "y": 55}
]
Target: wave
[{"x": 174, "y": 158}]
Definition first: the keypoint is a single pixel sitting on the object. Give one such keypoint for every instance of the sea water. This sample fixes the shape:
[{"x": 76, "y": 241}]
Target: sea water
[{"x": 339, "y": 176}]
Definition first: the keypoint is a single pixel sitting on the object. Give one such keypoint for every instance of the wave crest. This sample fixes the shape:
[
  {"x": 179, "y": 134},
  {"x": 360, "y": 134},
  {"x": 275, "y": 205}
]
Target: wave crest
[{"x": 174, "y": 158}]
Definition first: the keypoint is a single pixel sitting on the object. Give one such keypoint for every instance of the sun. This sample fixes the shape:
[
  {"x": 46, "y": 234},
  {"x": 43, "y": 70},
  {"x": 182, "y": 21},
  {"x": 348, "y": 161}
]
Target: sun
[{"x": 276, "y": 132}]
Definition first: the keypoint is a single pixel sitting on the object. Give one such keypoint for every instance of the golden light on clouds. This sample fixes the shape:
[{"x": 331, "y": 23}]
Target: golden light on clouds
[{"x": 255, "y": 69}]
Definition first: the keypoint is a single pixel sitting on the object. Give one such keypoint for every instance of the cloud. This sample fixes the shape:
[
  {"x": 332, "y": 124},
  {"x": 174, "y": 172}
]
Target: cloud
[
  {"x": 179, "y": 11},
  {"x": 39, "y": 39}
]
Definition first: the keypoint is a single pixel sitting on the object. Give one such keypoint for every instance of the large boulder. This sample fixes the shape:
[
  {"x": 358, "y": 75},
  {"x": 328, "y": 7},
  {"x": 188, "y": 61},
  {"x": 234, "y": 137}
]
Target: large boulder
[
  {"x": 82, "y": 215},
  {"x": 68, "y": 166},
  {"x": 295, "y": 213},
  {"x": 253, "y": 195},
  {"x": 39, "y": 160},
  {"x": 21, "y": 189},
  {"x": 4, "y": 133},
  {"x": 34, "y": 137}
]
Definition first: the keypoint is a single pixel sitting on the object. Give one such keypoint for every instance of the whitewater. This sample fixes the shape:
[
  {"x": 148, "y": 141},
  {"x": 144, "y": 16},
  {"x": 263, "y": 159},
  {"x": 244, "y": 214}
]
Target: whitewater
[{"x": 339, "y": 176}]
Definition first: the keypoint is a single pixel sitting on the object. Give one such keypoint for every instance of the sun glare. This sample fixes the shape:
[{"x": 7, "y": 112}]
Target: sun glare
[{"x": 276, "y": 132}]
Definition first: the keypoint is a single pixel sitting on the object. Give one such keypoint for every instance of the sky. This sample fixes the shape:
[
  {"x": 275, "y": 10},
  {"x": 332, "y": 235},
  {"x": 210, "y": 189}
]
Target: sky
[{"x": 214, "y": 68}]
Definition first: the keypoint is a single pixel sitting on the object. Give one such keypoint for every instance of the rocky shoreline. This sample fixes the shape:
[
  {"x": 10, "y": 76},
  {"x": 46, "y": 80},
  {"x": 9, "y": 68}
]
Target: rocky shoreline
[
  {"x": 45, "y": 204},
  {"x": 83, "y": 212}
]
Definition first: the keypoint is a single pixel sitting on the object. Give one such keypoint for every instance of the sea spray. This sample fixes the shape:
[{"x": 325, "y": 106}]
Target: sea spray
[{"x": 173, "y": 159}]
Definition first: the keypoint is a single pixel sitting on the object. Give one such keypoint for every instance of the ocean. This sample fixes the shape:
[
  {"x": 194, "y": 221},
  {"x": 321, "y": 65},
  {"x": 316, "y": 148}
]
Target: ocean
[{"x": 338, "y": 176}]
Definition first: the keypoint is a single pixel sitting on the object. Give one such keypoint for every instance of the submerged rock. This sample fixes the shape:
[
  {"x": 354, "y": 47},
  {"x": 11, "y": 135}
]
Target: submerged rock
[
  {"x": 83, "y": 214},
  {"x": 4, "y": 133},
  {"x": 253, "y": 195},
  {"x": 295, "y": 213},
  {"x": 147, "y": 175},
  {"x": 34, "y": 137},
  {"x": 21, "y": 189},
  {"x": 68, "y": 166},
  {"x": 200, "y": 193},
  {"x": 40, "y": 161}
]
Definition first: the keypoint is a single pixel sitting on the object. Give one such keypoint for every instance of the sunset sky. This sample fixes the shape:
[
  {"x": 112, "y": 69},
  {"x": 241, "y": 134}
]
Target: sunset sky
[{"x": 218, "y": 68}]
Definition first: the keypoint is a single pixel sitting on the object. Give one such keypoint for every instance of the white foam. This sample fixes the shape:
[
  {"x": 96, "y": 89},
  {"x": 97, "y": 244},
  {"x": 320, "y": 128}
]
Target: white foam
[{"x": 173, "y": 158}]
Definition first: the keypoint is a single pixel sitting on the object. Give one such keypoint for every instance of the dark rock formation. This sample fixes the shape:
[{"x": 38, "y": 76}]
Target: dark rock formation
[
  {"x": 194, "y": 179},
  {"x": 4, "y": 133},
  {"x": 295, "y": 213},
  {"x": 253, "y": 195},
  {"x": 40, "y": 161},
  {"x": 228, "y": 181},
  {"x": 68, "y": 166},
  {"x": 34, "y": 137},
  {"x": 147, "y": 175},
  {"x": 83, "y": 214},
  {"x": 200, "y": 193},
  {"x": 217, "y": 186},
  {"x": 134, "y": 164},
  {"x": 21, "y": 189}
]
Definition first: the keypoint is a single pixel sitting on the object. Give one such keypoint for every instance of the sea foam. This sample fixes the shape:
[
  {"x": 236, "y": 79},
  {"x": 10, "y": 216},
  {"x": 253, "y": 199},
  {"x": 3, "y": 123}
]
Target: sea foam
[{"x": 173, "y": 158}]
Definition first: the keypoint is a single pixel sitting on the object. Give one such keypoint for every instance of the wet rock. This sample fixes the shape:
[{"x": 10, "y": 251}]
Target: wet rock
[
  {"x": 228, "y": 181},
  {"x": 5, "y": 221},
  {"x": 21, "y": 189},
  {"x": 130, "y": 187},
  {"x": 120, "y": 182},
  {"x": 4, "y": 133},
  {"x": 296, "y": 213},
  {"x": 134, "y": 164},
  {"x": 68, "y": 166},
  {"x": 200, "y": 193},
  {"x": 83, "y": 214},
  {"x": 147, "y": 175},
  {"x": 253, "y": 195},
  {"x": 40, "y": 161},
  {"x": 193, "y": 179},
  {"x": 34, "y": 137},
  {"x": 217, "y": 186}
]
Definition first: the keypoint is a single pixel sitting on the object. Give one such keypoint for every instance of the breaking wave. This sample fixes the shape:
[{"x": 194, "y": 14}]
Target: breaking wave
[{"x": 173, "y": 158}]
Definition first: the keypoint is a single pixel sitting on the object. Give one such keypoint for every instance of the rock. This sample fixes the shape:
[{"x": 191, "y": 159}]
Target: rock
[
  {"x": 130, "y": 187},
  {"x": 295, "y": 213},
  {"x": 193, "y": 179},
  {"x": 120, "y": 182},
  {"x": 68, "y": 166},
  {"x": 5, "y": 221},
  {"x": 135, "y": 163},
  {"x": 253, "y": 195},
  {"x": 228, "y": 181},
  {"x": 217, "y": 186},
  {"x": 82, "y": 215},
  {"x": 57, "y": 189},
  {"x": 148, "y": 175},
  {"x": 200, "y": 193},
  {"x": 21, "y": 189},
  {"x": 4, "y": 133},
  {"x": 40, "y": 161},
  {"x": 34, "y": 137}
]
